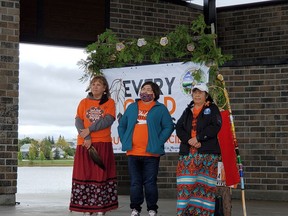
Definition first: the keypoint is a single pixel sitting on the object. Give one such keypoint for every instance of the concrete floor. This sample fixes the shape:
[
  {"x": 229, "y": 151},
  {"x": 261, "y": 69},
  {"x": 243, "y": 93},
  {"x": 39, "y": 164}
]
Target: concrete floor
[{"x": 56, "y": 204}]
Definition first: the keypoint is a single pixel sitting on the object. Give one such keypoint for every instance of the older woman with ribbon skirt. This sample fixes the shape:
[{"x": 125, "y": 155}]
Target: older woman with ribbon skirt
[
  {"x": 94, "y": 185},
  {"x": 199, "y": 153}
]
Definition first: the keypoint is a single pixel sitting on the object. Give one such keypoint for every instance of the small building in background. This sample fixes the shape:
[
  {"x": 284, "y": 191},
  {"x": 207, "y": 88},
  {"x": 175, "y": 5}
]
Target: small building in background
[{"x": 25, "y": 150}]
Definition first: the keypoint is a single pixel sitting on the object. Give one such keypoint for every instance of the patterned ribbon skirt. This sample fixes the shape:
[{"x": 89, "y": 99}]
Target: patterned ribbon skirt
[
  {"x": 94, "y": 189},
  {"x": 196, "y": 184}
]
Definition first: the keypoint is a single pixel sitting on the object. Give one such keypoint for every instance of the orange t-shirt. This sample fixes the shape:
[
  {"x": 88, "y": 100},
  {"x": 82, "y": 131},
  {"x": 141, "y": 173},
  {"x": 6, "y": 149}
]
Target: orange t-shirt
[
  {"x": 194, "y": 121},
  {"x": 140, "y": 134},
  {"x": 89, "y": 111}
]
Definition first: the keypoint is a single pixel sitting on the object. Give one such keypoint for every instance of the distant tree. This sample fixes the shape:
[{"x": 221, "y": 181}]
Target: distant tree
[
  {"x": 20, "y": 156},
  {"x": 51, "y": 156},
  {"x": 26, "y": 140},
  {"x": 32, "y": 153},
  {"x": 61, "y": 143},
  {"x": 46, "y": 147},
  {"x": 41, "y": 156},
  {"x": 35, "y": 145},
  {"x": 51, "y": 140},
  {"x": 57, "y": 154},
  {"x": 65, "y": 155},
  {"x": 70, "y": 151}
]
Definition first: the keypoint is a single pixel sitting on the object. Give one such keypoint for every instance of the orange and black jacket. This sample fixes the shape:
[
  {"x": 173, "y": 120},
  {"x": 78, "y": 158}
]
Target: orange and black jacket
[{"x": 209, "y": 123}]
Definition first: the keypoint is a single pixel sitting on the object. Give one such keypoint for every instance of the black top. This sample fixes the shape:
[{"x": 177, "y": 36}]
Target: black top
[{"x": 209, "y": 123}]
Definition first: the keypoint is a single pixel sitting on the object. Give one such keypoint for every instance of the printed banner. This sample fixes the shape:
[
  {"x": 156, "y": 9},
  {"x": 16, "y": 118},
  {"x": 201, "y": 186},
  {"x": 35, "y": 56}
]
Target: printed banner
[{"x": 175, "y": 81}]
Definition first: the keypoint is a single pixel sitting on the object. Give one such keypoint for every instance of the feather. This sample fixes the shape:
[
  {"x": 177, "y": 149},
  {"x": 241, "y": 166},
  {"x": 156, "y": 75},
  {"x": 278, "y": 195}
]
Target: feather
[{"x": 96, "y": 157}]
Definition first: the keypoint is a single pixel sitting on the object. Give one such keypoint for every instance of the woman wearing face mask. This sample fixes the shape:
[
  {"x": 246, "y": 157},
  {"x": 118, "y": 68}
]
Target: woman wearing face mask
[{"x": 143, "y": 129}]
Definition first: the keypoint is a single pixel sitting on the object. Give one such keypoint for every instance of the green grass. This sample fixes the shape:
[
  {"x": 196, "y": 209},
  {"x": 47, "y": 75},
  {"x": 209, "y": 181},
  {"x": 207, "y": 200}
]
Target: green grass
[{"x": 27, "y": 163}]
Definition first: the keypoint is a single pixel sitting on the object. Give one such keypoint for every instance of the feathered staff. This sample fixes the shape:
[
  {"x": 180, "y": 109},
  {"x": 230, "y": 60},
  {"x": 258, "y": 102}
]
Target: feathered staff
[
  {"x": 96, "y": 157},
  {"x": 239, "y": 162}
]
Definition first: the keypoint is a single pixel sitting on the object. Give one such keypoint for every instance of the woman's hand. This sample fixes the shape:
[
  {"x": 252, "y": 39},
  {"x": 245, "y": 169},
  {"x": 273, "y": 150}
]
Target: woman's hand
[
  {"x": 197, "y": 145},
  {"x": 87, "y": 143},
  {"x": 84, "y": 132},
  {"x": 194, "y": 142}
]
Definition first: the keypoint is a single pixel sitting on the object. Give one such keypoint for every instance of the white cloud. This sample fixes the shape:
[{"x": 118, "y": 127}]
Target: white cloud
[
  {"x": 50, "y": 55},
  {"x": 49, "y": 90}
]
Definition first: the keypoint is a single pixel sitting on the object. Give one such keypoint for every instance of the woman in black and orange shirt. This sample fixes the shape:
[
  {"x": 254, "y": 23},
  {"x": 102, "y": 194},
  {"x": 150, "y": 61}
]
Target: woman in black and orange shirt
[{"x": 197, "y": 129}]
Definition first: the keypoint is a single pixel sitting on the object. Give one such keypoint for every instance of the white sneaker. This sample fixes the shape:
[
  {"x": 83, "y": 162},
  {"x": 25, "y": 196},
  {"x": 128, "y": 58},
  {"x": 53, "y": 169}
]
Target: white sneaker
[
  {"x": 97, "y": 214},
  {"x": 135, "y": 213},
  {"x": 152, "y": 213}
]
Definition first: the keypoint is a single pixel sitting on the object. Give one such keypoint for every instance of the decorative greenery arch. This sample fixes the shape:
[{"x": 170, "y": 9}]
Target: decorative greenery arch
[{"x": 185, "y": 43}]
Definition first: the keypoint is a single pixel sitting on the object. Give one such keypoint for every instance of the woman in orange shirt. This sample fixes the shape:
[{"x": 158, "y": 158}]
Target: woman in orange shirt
[
  {"x": 94, "y": 190},
  {"x": 143, "y": 130}
]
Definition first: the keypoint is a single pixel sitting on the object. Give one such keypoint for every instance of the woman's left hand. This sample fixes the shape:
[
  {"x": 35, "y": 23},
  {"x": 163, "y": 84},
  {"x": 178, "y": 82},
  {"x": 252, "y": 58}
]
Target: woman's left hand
[
  {"x": 87, "y": 143},
  {"x": 197, "y": 145},
  {"x": 84, "y": 132},
  {"x": 192, "y": 141}
]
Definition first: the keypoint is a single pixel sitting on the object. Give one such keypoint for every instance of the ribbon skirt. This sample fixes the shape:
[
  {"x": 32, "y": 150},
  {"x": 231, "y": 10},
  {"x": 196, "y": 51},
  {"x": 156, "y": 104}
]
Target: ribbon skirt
[
  {"x": 94, "y": 189},
  {"x": 196, "y": 184}
]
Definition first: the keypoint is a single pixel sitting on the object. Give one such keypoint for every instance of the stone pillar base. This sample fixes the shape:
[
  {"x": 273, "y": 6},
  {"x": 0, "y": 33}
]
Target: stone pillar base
[{"x": 7, "y": 199}]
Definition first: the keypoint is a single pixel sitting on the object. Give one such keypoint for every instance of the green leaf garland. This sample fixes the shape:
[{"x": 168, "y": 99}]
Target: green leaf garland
[{"x": 185, "y": 43}]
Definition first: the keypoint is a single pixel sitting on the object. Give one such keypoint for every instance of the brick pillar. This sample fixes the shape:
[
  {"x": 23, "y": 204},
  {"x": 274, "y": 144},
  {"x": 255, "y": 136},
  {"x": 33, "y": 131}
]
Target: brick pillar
[{"x": 9, "y": 82}]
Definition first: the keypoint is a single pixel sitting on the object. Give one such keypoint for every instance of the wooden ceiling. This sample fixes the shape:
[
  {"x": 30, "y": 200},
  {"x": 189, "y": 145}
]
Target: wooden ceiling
[
  {"x": 63, "y": 22},
  {"x": 72, "y": 23}
]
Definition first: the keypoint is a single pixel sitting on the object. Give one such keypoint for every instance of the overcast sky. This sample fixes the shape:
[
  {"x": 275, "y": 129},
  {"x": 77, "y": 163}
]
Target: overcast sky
[
  {"x": 223, "y": 3},
  {"x": 49, "y": 90}
]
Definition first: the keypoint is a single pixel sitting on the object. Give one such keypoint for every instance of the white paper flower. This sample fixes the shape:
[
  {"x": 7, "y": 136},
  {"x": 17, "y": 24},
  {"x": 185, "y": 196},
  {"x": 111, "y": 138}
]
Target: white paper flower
[
  {"x": 141, "y": 42},
  {"x": 164, "y": 41},
  {"x": 210, "y": 63},
  {"x": 190, "y": 47},
  {"x": 112, "y": 57},
  {"x": 120, "y": 46}
]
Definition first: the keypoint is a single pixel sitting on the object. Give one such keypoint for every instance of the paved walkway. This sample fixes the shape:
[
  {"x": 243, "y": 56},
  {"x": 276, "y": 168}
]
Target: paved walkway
[{"x": 57, "y": 205}]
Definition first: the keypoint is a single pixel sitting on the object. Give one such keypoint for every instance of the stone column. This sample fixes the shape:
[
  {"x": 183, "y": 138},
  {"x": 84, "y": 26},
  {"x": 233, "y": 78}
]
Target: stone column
[{"x": 9, "y": 97}]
